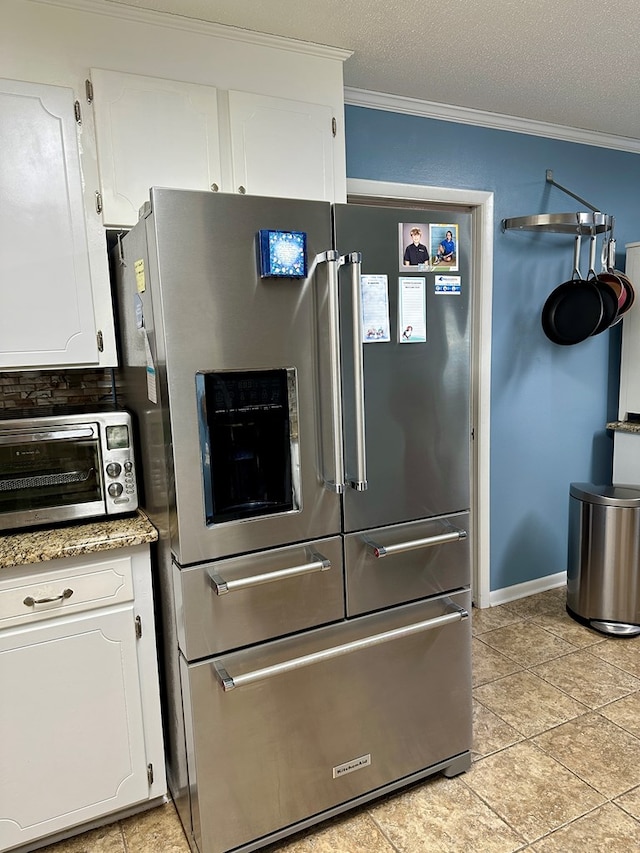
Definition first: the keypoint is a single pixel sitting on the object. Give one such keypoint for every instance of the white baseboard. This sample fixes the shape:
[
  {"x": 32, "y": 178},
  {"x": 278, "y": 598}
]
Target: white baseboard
[{"x": 522, "y": 590}]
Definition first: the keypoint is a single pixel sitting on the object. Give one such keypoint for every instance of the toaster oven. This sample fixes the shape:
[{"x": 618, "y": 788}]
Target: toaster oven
[{"x": 64, "y": 466}]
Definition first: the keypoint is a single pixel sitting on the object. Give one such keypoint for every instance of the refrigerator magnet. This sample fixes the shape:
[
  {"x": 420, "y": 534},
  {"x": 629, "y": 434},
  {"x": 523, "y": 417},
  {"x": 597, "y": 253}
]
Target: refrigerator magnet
[
  {"x": 152, "y": 390},
  {"x": 448, "y": 285},
  {"x": 443, "y": 243},
  {"x": 138, "y": 308},
  {"x": 412, "y": 237},
  {"x": 374, "y": 292},
  {"x": 412, "y": 311},
  {"x": 138, "y": 267}
]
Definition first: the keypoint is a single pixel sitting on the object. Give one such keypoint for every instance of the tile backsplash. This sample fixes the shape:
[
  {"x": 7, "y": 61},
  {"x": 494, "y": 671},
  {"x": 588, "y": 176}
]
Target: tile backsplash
[{"x": 30, "y": 389}]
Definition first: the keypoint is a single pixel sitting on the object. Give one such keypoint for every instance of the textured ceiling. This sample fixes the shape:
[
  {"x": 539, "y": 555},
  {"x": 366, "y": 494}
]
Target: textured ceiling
[{"x": 569, "y": 62}]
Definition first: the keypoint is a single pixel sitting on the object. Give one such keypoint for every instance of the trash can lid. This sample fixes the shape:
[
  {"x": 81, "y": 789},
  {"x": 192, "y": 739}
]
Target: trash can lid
[{"x": 606, "y": 495}]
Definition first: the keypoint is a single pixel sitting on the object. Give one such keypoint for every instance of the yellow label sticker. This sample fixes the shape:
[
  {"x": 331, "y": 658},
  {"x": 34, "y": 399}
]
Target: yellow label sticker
[{"x": 140, "y": 282}]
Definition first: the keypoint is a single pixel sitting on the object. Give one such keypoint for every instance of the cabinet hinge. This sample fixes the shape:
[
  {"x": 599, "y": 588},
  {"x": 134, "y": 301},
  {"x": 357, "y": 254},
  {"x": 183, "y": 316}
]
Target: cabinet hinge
[
  {"x": 334, "y": 126},
  {"x": 150, "y": 774},
  {"x": 98, "y": 201},
  {"x": 100, "y": 340},
  {"x": 138, "y": 627},
  {"x": 76, "y": 112},
  {"x": 88, "y": 88},
  {"x": 473, "y": 433}
]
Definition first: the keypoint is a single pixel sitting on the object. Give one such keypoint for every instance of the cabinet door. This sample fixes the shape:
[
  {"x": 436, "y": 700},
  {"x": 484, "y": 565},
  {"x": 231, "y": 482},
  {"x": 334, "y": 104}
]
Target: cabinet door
[
  {"x": 152, "y": 132},
  {"x": 281, "y": 147},
  {"x": 70, "y": 724},
  {"x": 46, "y": 304}
]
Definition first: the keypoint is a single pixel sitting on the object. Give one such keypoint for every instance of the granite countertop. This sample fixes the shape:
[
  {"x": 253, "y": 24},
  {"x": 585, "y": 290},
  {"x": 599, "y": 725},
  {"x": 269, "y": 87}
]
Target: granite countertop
[
  {"x": 73, "y": 540},
  {"x": 624, "y": 426}
]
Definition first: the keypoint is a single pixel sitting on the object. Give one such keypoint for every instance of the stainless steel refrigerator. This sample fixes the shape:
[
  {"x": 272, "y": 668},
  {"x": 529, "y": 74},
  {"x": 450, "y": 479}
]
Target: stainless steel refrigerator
[{"x": 300, "y": 378}]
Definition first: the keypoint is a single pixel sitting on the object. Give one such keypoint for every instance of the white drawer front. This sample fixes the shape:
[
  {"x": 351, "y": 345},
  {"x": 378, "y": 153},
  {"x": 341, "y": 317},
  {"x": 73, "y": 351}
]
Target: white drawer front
[{"x": 45, "y": 592}]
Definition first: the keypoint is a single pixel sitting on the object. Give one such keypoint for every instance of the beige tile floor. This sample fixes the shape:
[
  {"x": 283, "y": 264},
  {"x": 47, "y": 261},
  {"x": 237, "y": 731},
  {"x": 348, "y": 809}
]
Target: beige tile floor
[{"x": 556, "y": 757}]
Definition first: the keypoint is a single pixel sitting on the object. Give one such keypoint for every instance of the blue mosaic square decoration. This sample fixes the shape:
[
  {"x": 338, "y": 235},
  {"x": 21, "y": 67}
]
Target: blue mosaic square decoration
[{"x": 283, "y": 254}]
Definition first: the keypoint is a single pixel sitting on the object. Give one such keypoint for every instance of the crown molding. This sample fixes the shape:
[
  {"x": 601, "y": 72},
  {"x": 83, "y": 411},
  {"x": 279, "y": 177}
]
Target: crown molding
[
  {"x": 119, "y": 10},
  {"x": 497, "y": 121}
]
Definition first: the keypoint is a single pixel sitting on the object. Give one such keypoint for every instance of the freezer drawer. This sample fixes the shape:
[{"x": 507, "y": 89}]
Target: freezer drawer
[
  {"x": 292, "y": 737},
  {"x": 405, "y": 562},
  {"x": 244, "y": 600}
]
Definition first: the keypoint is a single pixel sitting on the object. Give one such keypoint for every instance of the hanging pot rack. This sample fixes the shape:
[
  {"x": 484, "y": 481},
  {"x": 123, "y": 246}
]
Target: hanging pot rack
[{"x": 591, "y": 223}]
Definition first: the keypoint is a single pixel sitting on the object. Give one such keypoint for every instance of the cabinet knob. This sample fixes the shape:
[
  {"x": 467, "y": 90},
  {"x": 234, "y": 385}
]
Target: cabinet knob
[
  {"x": 241, "y": 190},
  {"x": 214, "y": 188}
]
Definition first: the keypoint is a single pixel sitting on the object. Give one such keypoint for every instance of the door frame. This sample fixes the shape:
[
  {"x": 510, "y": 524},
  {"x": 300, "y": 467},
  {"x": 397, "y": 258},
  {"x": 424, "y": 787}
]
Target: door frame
[{"x": 481, "y": 206}]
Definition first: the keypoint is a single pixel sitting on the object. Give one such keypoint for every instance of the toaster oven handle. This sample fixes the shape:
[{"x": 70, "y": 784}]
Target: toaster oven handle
[
  {"x": 229, "y": 682},
  {"x": 222, "y": 586},
  {"x": 20, "y": 436},
  {"x": 400, "y": 547}
]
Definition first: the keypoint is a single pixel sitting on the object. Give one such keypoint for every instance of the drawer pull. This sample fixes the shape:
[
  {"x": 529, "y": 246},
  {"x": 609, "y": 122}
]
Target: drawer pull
[
  {"x": 401, "y": 547},
  {"x": 222, "y": 586},
  {"x": 229, "y": 682},
  {"x": 31, "y": 602}
]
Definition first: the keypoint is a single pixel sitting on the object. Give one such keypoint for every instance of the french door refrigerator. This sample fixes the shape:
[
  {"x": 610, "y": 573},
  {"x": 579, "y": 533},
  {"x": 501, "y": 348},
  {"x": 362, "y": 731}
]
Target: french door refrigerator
[{"x": 302, "y": 397}]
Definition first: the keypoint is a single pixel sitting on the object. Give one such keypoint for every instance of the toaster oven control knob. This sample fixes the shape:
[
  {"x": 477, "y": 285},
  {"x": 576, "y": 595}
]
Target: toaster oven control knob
[
  {"x": 115, "y": 490},
  {"x": 113, "y": 469}
]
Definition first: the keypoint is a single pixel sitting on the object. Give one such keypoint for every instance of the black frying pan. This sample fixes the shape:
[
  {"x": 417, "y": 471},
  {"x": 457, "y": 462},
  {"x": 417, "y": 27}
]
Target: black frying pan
[
  {"x": 574, "y": 310},
  {"x": 609, "y": 305}
]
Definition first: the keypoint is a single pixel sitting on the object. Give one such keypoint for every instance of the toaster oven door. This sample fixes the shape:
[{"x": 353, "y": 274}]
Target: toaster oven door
[{"x": 50, "y": 474}]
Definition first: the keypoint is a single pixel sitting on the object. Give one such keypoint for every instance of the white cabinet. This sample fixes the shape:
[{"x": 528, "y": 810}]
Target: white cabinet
[
  {"x": 80, "y": 716},
  {"x": 156, "y": 132},
  {"x": 46, "y": 300},
  {"x": 629, "y": 373},
  {"x": 281, "y": 147},
  {"x": 152, "y": 132}
]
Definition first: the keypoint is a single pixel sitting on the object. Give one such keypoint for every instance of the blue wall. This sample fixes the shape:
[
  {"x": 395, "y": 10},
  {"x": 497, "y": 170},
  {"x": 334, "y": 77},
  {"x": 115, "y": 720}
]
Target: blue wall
[{"x": 549, "y": 403}]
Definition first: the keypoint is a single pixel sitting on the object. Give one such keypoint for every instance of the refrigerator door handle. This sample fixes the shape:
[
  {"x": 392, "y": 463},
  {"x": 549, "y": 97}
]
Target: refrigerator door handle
[
  {"x": 229, "y": 682},
  {"x": 399, "y": 548},
  {"x": 359, "y": 482},
  {"x": 222, "y": 586},
  {"x": 331, "y": 258}
]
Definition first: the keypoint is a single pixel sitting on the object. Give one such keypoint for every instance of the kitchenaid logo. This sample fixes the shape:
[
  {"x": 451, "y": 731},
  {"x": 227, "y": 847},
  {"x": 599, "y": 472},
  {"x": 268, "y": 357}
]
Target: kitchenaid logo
[
  {"x": 34, "y": 452},
  {"x": 350, "y": 766}
]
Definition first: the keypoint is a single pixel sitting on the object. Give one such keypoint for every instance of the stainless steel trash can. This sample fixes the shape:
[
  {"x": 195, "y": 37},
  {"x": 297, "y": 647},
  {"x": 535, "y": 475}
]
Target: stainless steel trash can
[{"x": 603, "y": 569}]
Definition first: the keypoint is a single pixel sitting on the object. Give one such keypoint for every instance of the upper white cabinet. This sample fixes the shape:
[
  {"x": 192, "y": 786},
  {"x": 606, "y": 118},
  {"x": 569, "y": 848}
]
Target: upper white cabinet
[
  {"x": 281, "y": 147},
  {"x": 46, "y": 298},
  {"x": 156, "y": 132},
  {"x": 152, "y": 132}
]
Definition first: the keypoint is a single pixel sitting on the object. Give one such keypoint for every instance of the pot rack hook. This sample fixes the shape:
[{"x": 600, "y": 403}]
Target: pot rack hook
[{"x": 549, "y": 176}]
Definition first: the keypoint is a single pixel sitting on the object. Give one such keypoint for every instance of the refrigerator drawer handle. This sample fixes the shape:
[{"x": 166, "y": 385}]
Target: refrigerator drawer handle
[
  {"x": 359, "y": 481},
  {"x": 229, "y": 682},
  {"x": 401, "y": 547},
  {"x": 331, "y": 259},
  {"x": 222, "y": 586}
]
